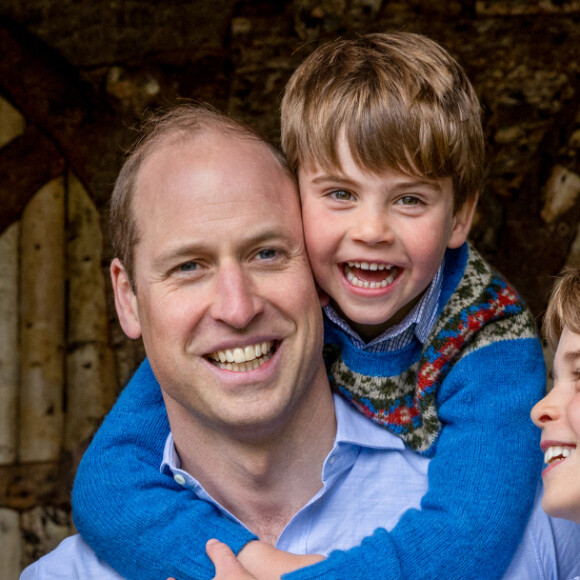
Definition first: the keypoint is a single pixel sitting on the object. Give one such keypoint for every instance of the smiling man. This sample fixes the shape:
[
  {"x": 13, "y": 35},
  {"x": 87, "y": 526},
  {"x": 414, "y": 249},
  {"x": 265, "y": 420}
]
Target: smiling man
[{"x": 211, "y": 272}]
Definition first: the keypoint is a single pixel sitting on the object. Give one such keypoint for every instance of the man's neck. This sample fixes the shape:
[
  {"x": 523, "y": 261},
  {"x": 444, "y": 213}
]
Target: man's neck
[{"x": 264, "y": 481}]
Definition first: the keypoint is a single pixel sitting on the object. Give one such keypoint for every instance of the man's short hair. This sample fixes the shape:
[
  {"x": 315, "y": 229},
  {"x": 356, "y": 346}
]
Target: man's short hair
[
  {"x": 563, "y": 307},
  {"x": 403, "y": 102},
  {"x": 180, "y": 123}
]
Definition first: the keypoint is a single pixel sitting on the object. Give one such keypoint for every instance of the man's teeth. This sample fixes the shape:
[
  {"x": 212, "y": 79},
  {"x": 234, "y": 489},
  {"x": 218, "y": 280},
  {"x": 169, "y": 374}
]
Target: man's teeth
[
  {"x": 557, "y": 452},
  {"x": 243, "y": 359},
  {"x": 373, "y": 267}
]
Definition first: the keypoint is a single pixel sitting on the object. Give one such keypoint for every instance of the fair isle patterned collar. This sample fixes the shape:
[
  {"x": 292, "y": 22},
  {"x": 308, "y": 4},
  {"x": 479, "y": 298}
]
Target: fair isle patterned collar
[
  {"x": 417, "y": 323},
  {"x": 483, "y": 309}
]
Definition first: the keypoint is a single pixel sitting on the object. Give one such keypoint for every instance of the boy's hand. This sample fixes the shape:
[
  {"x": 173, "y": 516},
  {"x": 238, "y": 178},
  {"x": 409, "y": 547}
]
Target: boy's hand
[
  {"x": 227, "y": 566},
  {"x": 269, "y": 563}
]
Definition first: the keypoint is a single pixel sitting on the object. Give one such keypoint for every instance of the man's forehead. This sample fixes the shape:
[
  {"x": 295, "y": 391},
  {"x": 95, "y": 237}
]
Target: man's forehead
[{"x": 215, "y": 178}]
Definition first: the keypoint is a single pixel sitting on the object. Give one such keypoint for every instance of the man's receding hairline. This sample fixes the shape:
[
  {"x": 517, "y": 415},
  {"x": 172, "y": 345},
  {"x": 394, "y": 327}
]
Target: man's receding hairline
[{"x": 178, "y": 136}]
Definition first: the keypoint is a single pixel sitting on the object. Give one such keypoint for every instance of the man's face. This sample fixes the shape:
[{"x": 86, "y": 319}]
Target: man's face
[
  {"x": 225, "y": 300},
  {"x": 558, "y": 415}
]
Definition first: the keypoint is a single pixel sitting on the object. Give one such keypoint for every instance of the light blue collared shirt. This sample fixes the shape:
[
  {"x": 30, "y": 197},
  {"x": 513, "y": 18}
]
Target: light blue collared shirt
[{"x": 368, "y": 480}]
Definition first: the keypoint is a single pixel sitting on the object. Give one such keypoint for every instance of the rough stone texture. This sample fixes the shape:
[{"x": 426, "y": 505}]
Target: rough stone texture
[
  {"x": 42, "y": 326},
  {"x": 11, "y": 542},
  {"x": 43, "y": 528},
  {"x": 78, "y": 74},
  {"x": 91, "y": 378}
]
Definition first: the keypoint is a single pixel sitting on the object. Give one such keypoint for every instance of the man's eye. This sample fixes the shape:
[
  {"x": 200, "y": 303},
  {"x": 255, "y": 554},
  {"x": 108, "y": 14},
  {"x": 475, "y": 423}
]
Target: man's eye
[
  {"x": 267, "y": 254},
  {"x": 188, "y": 267},
  {"x": 341, "y": 195}
]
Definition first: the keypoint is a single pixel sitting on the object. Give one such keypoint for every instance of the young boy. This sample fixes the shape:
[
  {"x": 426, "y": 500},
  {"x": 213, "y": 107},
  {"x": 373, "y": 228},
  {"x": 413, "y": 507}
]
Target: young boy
[
  {"x": 558, "y": 413},
  {"x": 385, "y": 137}
]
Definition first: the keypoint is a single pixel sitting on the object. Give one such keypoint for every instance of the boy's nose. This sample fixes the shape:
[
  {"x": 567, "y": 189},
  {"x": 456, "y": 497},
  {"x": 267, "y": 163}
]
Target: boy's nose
[
  {"x": 371, "y": 228},
  {"x": 235, "y": 303},
  {"x": 545, "y": 410}
]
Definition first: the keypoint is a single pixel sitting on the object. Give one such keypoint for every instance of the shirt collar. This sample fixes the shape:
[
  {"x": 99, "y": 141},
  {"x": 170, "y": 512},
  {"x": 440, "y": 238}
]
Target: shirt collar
[{"x": 352, "y": 428}]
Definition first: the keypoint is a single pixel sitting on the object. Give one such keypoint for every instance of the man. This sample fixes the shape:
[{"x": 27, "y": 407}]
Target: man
[{"x": 214, "y": 278}]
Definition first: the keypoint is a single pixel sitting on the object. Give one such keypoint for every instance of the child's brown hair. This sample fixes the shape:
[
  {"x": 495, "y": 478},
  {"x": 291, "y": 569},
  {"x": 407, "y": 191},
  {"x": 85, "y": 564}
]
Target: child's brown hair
[
  {"x": 563, "y": 307},
  {"x": 403, "y": 103}
]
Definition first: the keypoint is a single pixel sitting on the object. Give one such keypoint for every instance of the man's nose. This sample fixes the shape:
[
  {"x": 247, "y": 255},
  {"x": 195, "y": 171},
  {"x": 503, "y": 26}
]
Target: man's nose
[{"x": 235, "y": 302}]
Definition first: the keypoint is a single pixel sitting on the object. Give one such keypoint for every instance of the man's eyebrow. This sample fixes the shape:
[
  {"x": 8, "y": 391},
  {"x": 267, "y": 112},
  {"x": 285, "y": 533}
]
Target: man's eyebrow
[
  {"x": 201, "y": 248},
  {"x": 181, "y": 252}
]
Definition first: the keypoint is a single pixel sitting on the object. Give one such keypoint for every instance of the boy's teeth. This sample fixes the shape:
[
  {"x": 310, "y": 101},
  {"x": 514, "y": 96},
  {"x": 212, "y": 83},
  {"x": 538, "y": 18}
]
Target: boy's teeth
[
  {"x": 243, "y": 359},
  {"x": 369, "y": 265},
  {"x": 373, "y": 266},
  {"x": 557, "y": 452}
]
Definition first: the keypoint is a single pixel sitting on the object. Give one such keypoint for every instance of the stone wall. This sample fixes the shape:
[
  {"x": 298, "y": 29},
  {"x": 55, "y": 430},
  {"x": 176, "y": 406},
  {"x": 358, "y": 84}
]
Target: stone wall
[{"x": 76, "y": 75}]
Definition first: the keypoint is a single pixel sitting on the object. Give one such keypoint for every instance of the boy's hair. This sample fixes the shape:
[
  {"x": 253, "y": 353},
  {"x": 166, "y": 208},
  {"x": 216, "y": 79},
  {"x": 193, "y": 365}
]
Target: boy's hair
[
  {"x": 563, "y": 307},
  {"x": 403, "y": 103},
  {"x": 181, "y": 123}
]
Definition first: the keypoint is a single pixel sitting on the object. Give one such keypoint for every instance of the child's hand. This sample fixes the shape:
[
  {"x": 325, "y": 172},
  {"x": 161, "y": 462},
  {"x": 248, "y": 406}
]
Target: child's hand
[
  {"x": 227, "y": 566},
  {"x": 269, "y": 563}
]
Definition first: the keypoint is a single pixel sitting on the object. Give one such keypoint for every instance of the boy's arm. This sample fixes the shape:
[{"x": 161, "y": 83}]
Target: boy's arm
[
  {"x": 137, "y": 519},
  {"x": 482, "y": 479},
  {"x": 481, "y": 486}
]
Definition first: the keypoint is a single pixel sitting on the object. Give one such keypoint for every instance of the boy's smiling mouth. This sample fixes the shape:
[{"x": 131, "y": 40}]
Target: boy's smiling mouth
[
  {"x": 243, "y": 359},
  {"x": 370, "y": 274}
]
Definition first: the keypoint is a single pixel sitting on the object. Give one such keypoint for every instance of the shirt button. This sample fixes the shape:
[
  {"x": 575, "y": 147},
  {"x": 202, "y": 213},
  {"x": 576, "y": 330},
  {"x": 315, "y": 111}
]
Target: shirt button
[
  {"x": 179, "y": 479},
  {"x": 331, "y": 460}
]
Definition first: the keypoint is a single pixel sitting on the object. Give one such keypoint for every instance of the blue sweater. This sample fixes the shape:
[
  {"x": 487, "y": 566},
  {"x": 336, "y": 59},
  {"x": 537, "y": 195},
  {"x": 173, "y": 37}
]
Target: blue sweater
[{"x": 463, "y": 399}]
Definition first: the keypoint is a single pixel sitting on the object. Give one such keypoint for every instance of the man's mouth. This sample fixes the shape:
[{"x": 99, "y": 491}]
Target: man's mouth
[
  {"x": 243, "y": 359},
  {"x": 370, "y": 274},
  {"x": 557, "y": 453}
]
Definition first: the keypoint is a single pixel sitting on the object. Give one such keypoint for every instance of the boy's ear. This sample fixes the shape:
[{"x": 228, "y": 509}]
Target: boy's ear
[
  {"x": 462, "y": 223},
  {"x": 125, "y": 300}
]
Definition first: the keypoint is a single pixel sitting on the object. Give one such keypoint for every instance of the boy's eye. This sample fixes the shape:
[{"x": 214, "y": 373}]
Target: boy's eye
[
  {"x": 341, "y": 195},
  {"x": 409, "y": 200}
]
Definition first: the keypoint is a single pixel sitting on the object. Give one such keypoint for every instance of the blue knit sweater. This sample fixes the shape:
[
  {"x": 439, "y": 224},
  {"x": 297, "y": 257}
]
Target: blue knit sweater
[{"x": 463, "y": 399}]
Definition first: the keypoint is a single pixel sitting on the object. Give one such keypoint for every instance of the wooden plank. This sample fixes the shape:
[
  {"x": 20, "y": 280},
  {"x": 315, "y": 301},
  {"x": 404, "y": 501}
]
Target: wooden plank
[
  {"x": 42, "y": 325},
  {"x": 9, "y": 301},
  {"x": 11, "y": 542},
  {"x": 91, "y": 381}
]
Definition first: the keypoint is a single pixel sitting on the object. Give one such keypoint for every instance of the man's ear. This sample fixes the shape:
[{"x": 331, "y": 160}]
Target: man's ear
[
  {"x": 462, "y": 223},
  {"x": 125, "y": 300}
]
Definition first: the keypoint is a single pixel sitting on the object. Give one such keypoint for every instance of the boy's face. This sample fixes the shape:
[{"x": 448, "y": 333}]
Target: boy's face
[
  {"x": 376, "y": 240},
  {"x": 558, "y": 415}
]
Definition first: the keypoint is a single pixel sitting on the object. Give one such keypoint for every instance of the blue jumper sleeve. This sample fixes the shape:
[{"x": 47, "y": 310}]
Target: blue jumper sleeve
[
  {"x": 482, "y": 479},
  {"x": 137, "y": 519}
]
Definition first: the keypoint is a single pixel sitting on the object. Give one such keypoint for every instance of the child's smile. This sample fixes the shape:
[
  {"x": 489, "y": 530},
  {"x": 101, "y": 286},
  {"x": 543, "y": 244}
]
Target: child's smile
[
  {"x": 371, "y": 275},
  {"x": 558, "y": 415}
]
